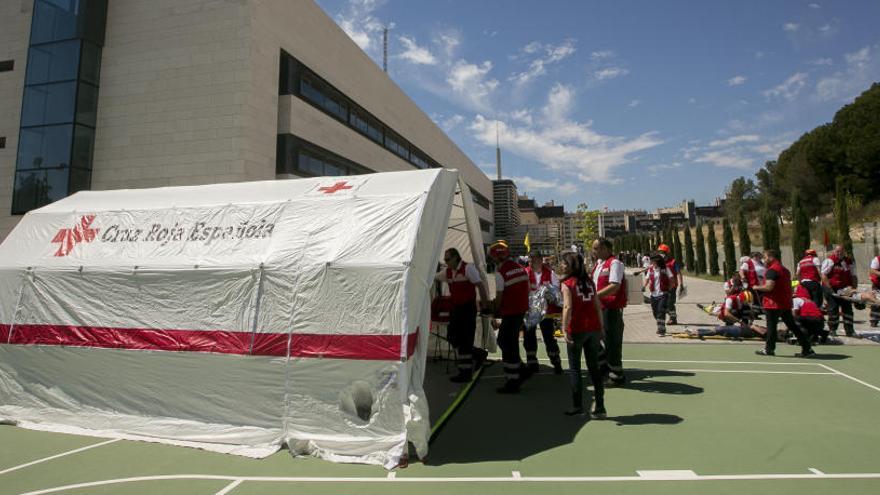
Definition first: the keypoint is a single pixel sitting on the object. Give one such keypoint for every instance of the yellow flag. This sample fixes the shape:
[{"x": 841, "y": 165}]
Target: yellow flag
[{"x": 527, "y": 243}]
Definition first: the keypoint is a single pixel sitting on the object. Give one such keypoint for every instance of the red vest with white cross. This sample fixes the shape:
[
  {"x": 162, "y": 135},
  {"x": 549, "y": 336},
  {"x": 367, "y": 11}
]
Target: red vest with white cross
[
  {"x": 618, "y": 299},
  {"x": 515, "y": 298},
  {"x": 546, "y": 279},
  {"x": 808, "y": 270},
  {"x": 840, "y": 275},
  {"x": 461, "y": 290}
]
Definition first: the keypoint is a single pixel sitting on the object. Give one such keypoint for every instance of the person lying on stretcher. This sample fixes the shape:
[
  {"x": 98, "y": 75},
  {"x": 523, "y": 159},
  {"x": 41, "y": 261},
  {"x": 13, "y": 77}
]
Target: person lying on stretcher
[
  {"x": 870, "y": 297},
  {"x": 734, "y": 314}
]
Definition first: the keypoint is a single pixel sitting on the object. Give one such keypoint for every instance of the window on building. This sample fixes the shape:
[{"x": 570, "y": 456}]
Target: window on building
[
  {"x": 319, "y": 95},
  {"x": 7, "y": 65},
  {"x": 480, "y": 199},
  {"x": 59, "y": 105},
  {"x": 394, "y": 144},
  {"x": 299, "y": 157},
  {"x": 2, "y": 142},
  {"x": 366, "y": 125},
  {"x": 486, "y": 226}
]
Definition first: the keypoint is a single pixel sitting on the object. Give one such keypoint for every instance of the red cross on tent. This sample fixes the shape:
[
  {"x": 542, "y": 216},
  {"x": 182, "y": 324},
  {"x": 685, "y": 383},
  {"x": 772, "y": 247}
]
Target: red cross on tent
[
  {"x": 68, "y": 238},
  {"x": 339, "y": 186}
]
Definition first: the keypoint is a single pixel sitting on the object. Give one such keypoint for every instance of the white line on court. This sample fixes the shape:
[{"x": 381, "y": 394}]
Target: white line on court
[
  {"x": 829, "y": 368},
  {"x": 228, "y": 488},
  {"x": 391, "y": 475},
  {"x": 516, "y": 475},
  {"x": 664, "y": 361},
  {"x": 758, "y": 372},
  {"x": 816, "y": 471},
  {"x": 56, "y": 456},
  {"x": 681, "y": 476}
]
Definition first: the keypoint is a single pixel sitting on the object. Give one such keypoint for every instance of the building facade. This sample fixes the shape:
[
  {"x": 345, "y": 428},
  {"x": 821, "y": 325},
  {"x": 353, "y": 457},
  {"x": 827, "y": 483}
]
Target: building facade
[
  {"x": 133, "y": 94},
  {"x": 506, "y": 209}
]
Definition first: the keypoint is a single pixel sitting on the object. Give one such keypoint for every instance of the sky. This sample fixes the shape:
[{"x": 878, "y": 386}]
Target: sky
[{"x": 626, "y": 104}]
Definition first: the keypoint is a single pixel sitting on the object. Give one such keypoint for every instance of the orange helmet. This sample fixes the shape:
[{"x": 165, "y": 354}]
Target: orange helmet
[
  {"x": 499, "y": 250},
  {"x": 664, "y": 248},
  {"x": 811, "y": 252}
]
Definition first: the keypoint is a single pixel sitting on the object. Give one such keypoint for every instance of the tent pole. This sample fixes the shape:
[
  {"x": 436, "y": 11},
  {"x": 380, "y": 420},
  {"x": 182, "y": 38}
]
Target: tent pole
[{"x": 28, "y": 273}]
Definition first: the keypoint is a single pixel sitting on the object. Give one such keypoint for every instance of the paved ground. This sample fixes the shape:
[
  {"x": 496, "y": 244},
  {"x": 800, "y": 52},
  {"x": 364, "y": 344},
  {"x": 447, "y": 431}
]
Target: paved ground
[{"x": 640, "y": 325}]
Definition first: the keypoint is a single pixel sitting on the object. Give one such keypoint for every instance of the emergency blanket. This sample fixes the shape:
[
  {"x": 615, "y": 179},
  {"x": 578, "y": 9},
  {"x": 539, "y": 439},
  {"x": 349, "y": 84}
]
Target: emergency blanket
[{"x": 236, "y": 318}]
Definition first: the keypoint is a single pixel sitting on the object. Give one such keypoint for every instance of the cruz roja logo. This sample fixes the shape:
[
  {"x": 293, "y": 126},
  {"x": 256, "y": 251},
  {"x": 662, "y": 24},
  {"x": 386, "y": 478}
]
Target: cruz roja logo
[{"x": 69, "y": 238}]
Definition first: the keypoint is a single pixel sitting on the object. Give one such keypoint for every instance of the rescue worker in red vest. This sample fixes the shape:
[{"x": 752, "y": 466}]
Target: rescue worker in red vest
[
  {"x": 735, "y": 302},
  {"x": 777, "y": 305},
  {"x": 511, "y": 305},
  {"x": 582, "y": 324},
  {"x": 837, "y": 274},
  {"x": 658, "y": 279},
  {"x": 808, "y": 315},
  {"x": 875, "y": 284},
  {"x": 808, "y": 275},
  {"x": 540, "y": 274},
  {"x": 676, "y": 283},
  {"x": 752, "y": 271},
  {"x": 464, "y": 281},
  {"x": 610, "y": 280}
]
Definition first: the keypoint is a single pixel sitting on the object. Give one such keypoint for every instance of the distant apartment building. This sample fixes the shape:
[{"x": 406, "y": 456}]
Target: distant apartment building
[{"x": 506, "y": 209}]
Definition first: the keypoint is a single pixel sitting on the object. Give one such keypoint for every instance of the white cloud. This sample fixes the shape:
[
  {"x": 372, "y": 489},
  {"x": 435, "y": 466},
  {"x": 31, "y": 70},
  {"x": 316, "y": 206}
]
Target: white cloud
[
  {"x": 822, "y": 61},
  {"x": 448, "y": 41},
  {"x": 861, "y": 69},
  {"x": 759, "y": 55},
  {"x": 601, "y": 55},
  {"x": 736, "y": 80},
  {"x": 364, "y": 28},
  {"x": 610, "y": 73},
  {"x": 745, "y": 138},
  {"x": 559, "y": 143},
  {"x": 525, "y": 183},
  {"x": 470, "y": 83},
  {"x": 414, "y": 53},
  {"x": 814, "y": 6},
  {"x": 654, "y": 170},
  {"x": 451, "y": 122},
  {"x": 788, "y": 89},
  {"x": 726, "y": 159},
  {"x": 634, "y": 103},
  {"x": 538, "y": 66},
  {"x": 790, "y": 27}
]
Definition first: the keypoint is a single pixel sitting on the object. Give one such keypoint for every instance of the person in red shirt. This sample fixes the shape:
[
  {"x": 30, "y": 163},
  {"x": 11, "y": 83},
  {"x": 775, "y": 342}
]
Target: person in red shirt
[
  {"x": 875, "y": 284},
  {"x": 657, "y": 281},
  {"x": 511, "y": 305},
  {"x": 808, "y": 274},
  {"x": 837, "y": 275},
  {"x": 808, "y": 315},
  {"x": 777, "y": 305},
  {"x": 582, "y": 326},
  {"x": 541, "y": 274},
  {"x": 464, "y": 281}
]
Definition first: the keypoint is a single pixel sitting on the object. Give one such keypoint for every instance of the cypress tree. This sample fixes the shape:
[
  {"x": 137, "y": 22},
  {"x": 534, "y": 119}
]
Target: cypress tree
[
  {"x": 729, "y": 251},
  {"x": 701, "y": 251},
  {"x": 688, "y": 250},
  {"x": 800, "y": 235},
  {"x": 841, "y": 215},
  {"x": 713, "y": 250},
  {"x": 745, "y": 242},
  {"x": 769, "y": 227},
  {"x": 676, "y": 246}
]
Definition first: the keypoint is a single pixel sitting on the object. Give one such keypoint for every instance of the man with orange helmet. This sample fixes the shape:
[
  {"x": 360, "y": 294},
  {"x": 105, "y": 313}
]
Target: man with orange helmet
[
  {"x": 808, "y": 273},
  {"x": 676, "y": 283},
  {"x": 511, "y": 305}
]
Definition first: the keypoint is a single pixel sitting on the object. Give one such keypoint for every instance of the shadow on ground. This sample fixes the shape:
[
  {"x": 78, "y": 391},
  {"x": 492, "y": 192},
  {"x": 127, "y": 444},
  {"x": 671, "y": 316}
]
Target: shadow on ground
[
  {"x": 493, "y": 427},
  {"x": 645, "y": 381}
]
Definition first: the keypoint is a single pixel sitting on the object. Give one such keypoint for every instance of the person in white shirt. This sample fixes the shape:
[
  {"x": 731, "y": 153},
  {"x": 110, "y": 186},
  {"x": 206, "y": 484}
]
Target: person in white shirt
[
  {"x": 608, "y": 276},
  {"x": 657, "y": 281},
  {"x": 875, "y": 284}
]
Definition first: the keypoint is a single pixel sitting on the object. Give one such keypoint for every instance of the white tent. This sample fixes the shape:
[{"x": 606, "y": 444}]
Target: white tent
[{"x": 234, "y": 317}]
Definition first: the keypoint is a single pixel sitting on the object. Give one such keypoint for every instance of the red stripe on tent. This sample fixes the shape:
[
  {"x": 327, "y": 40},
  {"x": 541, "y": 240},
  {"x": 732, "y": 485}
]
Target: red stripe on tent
[{"x": 368, "y": 347}]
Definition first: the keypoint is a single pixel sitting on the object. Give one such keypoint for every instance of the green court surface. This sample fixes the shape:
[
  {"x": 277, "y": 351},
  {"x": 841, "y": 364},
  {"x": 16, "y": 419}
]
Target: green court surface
[{"x": 708, "y": 418}]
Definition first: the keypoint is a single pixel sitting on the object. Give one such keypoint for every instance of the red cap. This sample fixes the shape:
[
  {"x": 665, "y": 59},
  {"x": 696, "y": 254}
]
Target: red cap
[{"x": 664, "y": 248}]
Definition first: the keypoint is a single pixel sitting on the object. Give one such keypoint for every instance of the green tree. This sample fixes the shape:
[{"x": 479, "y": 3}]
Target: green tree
[
  {"x": 739, "y": 197},
  {"x": 713, "y": 249},
  {"x": 841, "y": 215},
  {"x": 701, "y": 250},
  {"x": 800, "y": 231},
  {"x": 769, "y": 226},
  {"x": 586, "y": 226},
  {"x": 745, "y": 242},
  {"x": 688, "y": 250},
  {"x": 729, "y": 250},
  {"x": 676, "y": 246}
]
